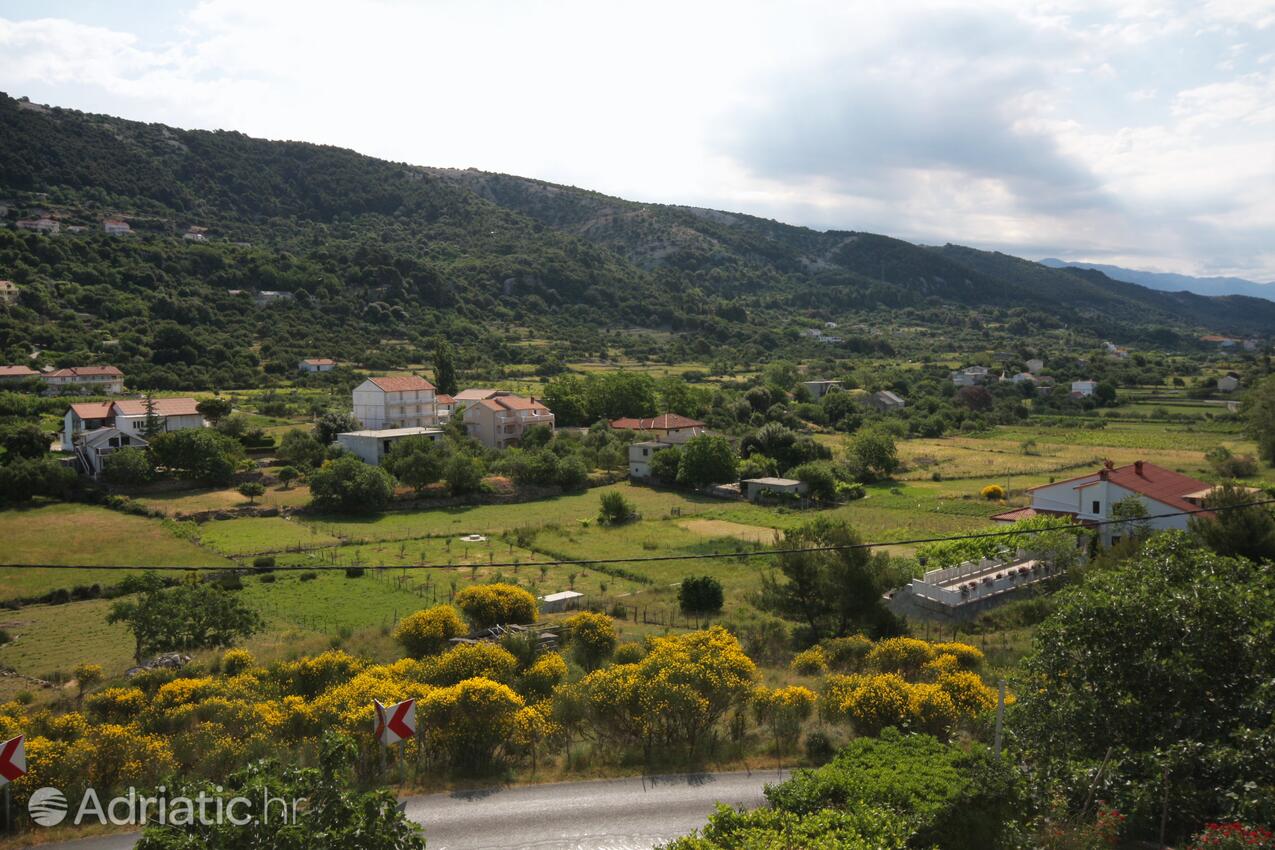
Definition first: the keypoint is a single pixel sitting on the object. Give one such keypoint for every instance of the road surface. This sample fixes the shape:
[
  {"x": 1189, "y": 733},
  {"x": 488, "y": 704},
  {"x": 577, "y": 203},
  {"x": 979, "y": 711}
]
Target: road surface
[{"x": 613, "y": 814}]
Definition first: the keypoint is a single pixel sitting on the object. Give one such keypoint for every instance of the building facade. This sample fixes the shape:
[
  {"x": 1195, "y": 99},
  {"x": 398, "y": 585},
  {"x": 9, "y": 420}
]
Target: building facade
[
  {"x": 90, "y": 379},
  {"x": 501, "y": 421},
  {"x": 401, "y": 401}
]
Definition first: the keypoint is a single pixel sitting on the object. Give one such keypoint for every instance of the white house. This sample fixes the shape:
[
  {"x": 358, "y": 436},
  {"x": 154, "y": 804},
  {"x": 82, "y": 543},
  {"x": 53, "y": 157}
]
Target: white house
[
  {"x": 1228, "y": 383},
  {"x": 371, "y": 446},
  {"x": 93, "y": 447},
  {"x": 819, "y": 389},
  {"x": 80, "y": 418},
  {"x": 640, "y": 455},
  {"x": 13, "y": 374},
  {"x": 40, "y": 225},
  {"x": 500, "y": 421},
  {"x": 1089, "y": 498},
  {"x": 1084, "y": 388},
  {"x": 115, "y": 227},
  {"x": 1023, "y": 378},
  {"x": 317, "y": 364},
  {"x": 969, "y": 376},
  {"x": 669, "y": 427},
  {"x": 400, "y": 401},
  {"x": 90, "y": 379},
  {"x": 445, "y": 405},
  {"x": 175, "y": 414}
]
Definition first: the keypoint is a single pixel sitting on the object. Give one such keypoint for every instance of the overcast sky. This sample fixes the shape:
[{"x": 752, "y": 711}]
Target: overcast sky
[{"x": 1134, "y": 132}]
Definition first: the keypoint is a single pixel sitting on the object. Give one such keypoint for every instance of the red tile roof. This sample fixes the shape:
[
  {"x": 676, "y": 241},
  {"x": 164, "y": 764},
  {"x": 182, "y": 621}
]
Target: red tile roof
[
  {"x": 402, "y": 383},
  {"x": 663, "y": 422},
  {"x": 17, "y": 372},
  {"x": 443, "y": 398},
  {"x": 86, "y": 372},
  {"x": 1147, "y": 479},
  {"x": 512, "y": 402},
  {"x": 319, "y": 361},
  {"x": 92, "y": 409},
  {"x": 163, "y": 407}
]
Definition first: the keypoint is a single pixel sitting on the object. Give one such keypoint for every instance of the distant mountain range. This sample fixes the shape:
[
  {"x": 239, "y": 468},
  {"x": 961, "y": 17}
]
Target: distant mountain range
[{"x": 1166, "y": 282}]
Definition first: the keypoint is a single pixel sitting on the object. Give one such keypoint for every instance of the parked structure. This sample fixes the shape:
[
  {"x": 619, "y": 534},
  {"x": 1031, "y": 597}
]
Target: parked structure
[
  {"x": 756, "y": 488},
  {"x": 566, "y": 600},
  {"x": 89, "y": 379},
  {"x": 885, "y": 401},
  {"x": 500, "y": 422},
  {"x": 1089, "y": 498},
  {"x": 668, "y": 427},
  {"x": 371, "y": 446},
  {"x": 819, "y": 389},
  {"x": 317, "y": 364},
  {"x": 401, "y": 401}
]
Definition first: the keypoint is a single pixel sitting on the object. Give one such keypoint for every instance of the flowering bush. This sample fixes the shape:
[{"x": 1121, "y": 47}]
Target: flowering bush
[
  {"x": 236, "y": 661},
  {"x": 427, "y": 632},
  {"x": 1233, "y": 836},
  {"x": 486, "y": 605},
  {"x": 592, "y": 637},
  {"x": 810, "y": 662}
]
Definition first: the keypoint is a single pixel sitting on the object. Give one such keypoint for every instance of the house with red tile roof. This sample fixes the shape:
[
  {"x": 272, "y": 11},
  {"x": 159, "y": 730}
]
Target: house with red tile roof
[
  {"x": 127, "y": 417},
  {"x": 395, "y": 401},
  {"x": 13, "y": 374},
  {"x": 317, "y": 364},
  {"x": 93, "y": 379},
  {"x": 501, "y": 421},
  {"x": 667, "y": 427},
  {"x": 1089, "y": 498}
]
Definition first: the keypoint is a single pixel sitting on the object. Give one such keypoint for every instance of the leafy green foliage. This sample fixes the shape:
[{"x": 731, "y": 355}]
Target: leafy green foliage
[
  {"x": 200, "y": 454},
  {"x": 348, "y": 485},
  {"x": 186, "y": 617},
  {"x": 700, "y": 595},
  {"x": 707, "y": 459}
]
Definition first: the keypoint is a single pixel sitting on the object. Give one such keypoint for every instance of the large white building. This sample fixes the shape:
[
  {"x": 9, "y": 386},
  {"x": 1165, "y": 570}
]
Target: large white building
[
  {"x": 372, "y": 446},
  {"x": 127, "y": 417},
  {"x": 501, "y": 421},
  {"x": 88, "y": 379},
  {"x": 400, "y": 401},
  {"x": 1089, "y": 498}
]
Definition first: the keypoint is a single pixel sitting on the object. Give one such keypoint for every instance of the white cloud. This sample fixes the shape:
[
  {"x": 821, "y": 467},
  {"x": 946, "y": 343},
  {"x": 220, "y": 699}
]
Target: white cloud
[{"x": 1052, "y": 126}]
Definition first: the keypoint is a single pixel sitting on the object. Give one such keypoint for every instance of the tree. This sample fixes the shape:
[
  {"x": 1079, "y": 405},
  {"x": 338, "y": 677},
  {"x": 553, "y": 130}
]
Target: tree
[
  {"x": 198, "y": 454},
  {"x": 486, "y": 605},
  {"x": 565, "y": 396},
  {"x": 301, "y": 449},
  {"x": 336, "y": 812},
  {"x": 614, "y": 509},
  {"x": 186, "y": 617},
  {"x": 834, "y": 593},
  {"x": 665, "y": 463},
  {"x": 1131, "y": 512},
  {"x": 428, "y": 631},
  {"x": 127, "y": 467},
  {"x": 287, "y": 475},
  {"x": 572, "y": 473},
  {"x": 613, "y": 395},
  {"x": 707, "y": 459},
  {"x": 1105, "y": 393},
  {"x": 416, "y": 461},
  {"x": 1163, "y": 661},
  {"x": 349, "y": 485},
  {"x": 26, "y": 441},
  {"x": 86, "y": 676},
  {"x": 820, "y": 483},
  {"x": 152, "y": 425},
  {"x": 975, "y": 398},
  {"x": 463, "y": 474},
  {"x": 1259, "y": 416},
  {"x": 1246, "y": 532},
  {"x": 332, "y": 423},
  {"x": 214, "y": 409},
  {"x": 250, "y": 490},
  {"x": 592, "y": 637},
  {"x": 445, "y": 368},
  {"x": 872, "y": 455},
  {"x": 23, "y": 480},
  {"x": 700, "y": 595}
]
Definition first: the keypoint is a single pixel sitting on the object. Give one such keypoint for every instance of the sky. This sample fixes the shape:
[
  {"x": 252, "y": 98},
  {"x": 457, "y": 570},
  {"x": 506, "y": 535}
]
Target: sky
[{"x": 1136, "y": 133}]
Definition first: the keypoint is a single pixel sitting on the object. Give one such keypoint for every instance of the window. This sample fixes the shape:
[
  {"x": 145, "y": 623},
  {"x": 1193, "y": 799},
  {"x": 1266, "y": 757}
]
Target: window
[{"x": 1097, "y": 507}]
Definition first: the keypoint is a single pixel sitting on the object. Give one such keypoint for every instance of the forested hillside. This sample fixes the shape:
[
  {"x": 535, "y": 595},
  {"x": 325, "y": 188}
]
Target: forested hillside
[{"x": 381, "y": 259}]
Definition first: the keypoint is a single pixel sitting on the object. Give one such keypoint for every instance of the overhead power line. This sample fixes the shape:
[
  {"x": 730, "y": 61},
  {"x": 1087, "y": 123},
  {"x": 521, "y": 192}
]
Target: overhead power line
[{"x": 638, "y": 559}]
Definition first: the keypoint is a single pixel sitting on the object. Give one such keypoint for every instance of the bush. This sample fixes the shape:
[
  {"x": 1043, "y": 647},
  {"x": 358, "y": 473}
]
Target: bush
[
  {"x": 251, "y": 490},
  {"x": 429, "y": 631},
  {"x": 236, "y": 661},
  {"x": 127, "y": 467},
  {"x": 463, "y": 474},
  {"x": 819, "y": 747},
  {"x": 354, "y": 572},
  {"x": 700, "y": 595},
  {"x": 629, "y": 652},
  {"x": 263, "y": 562},
  {"x": 592, "y": 637},
  {"x": 349, "y": 485},
  {"x": 810, "y": 662},
  {"x": 309, "y": 575},
  {"x": 614, "y": 509},
  {"x": 268, "y": 578},
  {"x": 486, "y": 605},
  {"x": 993, "y": 492}
]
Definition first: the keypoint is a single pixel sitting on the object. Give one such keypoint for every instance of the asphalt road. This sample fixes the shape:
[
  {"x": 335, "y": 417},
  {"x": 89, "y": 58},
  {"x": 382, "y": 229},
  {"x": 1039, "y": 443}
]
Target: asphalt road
[{"x": 614, "y": 814}]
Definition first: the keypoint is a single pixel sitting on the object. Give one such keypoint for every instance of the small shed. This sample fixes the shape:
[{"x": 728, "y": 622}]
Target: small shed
[
  {"x": 755, "y": 487},
  {"x": 565, "y": 600},
  {"x": 373, "y": 445},
  {"x": 819, "y": 389}
]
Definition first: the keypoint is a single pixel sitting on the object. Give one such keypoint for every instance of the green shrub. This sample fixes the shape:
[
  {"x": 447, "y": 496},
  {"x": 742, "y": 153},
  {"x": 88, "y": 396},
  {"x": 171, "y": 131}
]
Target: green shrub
[{"x": 309, "y": 575}]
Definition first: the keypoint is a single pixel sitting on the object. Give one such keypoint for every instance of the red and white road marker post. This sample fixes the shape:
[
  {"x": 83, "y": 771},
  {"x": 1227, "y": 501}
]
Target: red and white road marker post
[
  {"x": 394, "y": 725},
  {"x": 13, "y": 766}
]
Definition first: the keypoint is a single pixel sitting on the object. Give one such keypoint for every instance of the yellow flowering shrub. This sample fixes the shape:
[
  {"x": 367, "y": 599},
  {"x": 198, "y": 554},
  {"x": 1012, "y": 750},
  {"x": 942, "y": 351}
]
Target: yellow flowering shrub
[
  {"x": 469, "y": 721},
  {"x": 810, "y": 662},
  {"x": 117, "y": 704},
  {"x": 940, "y": 666},
  {"x": 784, "y": 710},
  {"x": 879, "y": 701},
  {"x": 311, "y": 676},
  {"x": 847, "y": 654},
  {"x": 932, "y": 709},
  {"x": 970, "y": 696},
  {"x": 541, "y": 678},
  {"x": 629, "y": 652},
  {"x": 592, "y": 637},
  {"x": 428, "y": 631},
  {"x": 469, "y": 661},
  {"x": 181, "y": 692},
  {"x": 969, "y": 657},
  {"x": 120, "y": 756},
  {"x": 236, "y": 661},
  {"x": 486, "y": 605},
  {"x": 903, "y": 655}
]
